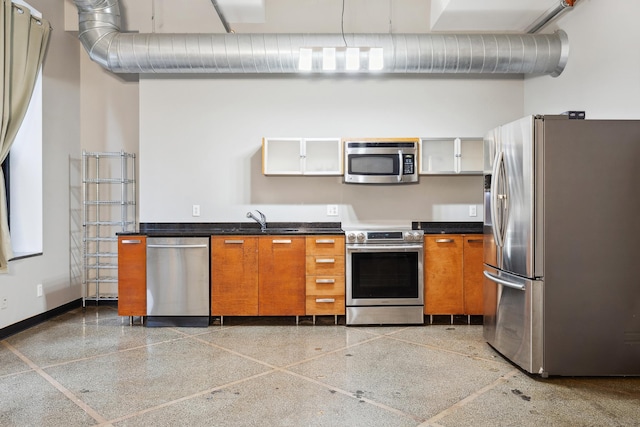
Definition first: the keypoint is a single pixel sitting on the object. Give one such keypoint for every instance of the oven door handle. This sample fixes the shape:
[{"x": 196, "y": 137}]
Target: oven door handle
[{"x": 384, "y": 248}]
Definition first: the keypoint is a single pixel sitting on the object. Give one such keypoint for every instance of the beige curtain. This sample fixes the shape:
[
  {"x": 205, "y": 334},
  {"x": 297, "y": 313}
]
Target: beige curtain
[{"x": 23, "y": 41}]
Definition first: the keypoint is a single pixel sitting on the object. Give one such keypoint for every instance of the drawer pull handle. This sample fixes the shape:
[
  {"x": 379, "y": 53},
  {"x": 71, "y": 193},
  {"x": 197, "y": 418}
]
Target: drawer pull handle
[
  {"x": 131, "y": 242},
  {"x": 284, "y": 241},
  {"x": 325, "y": 280},
  {"x": 233, "y": 242},
  {"x": 444, "y": 240},
  {"x": 326, "y": 241},
  {"x": 325, "y": 261},
  {"x": 325, "y": 300},
  {"x": 475, "y": 240}
]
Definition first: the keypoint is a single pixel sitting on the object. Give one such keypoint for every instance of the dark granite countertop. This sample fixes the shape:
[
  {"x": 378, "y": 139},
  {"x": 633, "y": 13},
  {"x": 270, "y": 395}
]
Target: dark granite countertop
[
  {"x": 197, "y": 229},
  {"x": 441, "y": 227}
]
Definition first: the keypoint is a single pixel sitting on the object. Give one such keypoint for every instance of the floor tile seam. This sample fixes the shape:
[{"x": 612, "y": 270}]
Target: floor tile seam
[
  {"x": 111, "y": 353},
  {"x": 236, "y": 353},
  {"x": 269, "y": 365},
  {"x": 473, "y": 396},
  {"x": 58, "y": 386},
  {"x": 352, "y": 395},
  {"x": 336, "y": 350},
  {"x": 446, "y": 350},
  {"x": 189, "y": 397}
]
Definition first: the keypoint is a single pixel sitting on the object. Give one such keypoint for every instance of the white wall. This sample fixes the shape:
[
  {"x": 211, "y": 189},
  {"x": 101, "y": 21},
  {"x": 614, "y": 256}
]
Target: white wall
[
  {"x": 602, "y": 76},
  {"x": 58, "y": 268},
  {"x": 200, "y": 141}
]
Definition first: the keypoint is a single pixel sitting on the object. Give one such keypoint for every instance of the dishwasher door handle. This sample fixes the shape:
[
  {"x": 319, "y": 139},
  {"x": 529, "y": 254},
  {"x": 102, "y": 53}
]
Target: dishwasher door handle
[{"x": 177, "y": 246}]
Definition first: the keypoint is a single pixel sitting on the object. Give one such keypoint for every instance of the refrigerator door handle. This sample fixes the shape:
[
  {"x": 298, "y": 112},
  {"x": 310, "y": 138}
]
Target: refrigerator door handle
[
  {"x": 497, "y": 226},
  {"x": 503, "y": 282}
]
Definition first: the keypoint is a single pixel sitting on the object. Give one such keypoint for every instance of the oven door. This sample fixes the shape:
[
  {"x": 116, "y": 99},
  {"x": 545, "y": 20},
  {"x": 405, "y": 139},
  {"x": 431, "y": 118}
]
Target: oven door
[{"x": 384, "y": 275}]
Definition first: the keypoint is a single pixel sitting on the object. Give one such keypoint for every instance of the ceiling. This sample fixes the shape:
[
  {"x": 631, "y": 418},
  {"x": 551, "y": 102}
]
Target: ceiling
[{"x": 435, "y": 15}]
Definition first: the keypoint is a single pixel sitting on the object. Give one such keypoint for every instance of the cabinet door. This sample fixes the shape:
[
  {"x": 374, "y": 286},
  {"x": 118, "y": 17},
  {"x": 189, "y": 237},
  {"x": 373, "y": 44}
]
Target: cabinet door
[
  {"x": 322, "y": 156},
  {"x": 437, "y": 156},
  {"x": 132, "y": 275},
  {"x": 234, "y": 276},
  {"x": 282, "y": 156},
  {"x": 473, "y": 278},
  {"x": 443, "y": 274},
  {"x": 281, "y": 276},
  {"x": 471, "y": 156}
]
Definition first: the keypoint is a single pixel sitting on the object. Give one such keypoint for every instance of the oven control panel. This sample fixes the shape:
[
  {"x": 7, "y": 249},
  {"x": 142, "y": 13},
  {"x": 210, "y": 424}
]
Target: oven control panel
[{"x": 413, "y": 236}]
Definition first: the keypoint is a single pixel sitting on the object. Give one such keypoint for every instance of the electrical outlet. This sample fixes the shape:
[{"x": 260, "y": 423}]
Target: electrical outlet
[
  {"x": 3, "y": 303},
  {"x": 195, "y": 210},
  {"x": 39, "y": 289},
  {"x": 473, "y": 210},
  {"x": 332, "y": 210}
]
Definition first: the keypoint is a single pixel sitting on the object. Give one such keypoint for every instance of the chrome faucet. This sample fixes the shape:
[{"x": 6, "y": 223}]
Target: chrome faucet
[{"x": 262, "y": 221}]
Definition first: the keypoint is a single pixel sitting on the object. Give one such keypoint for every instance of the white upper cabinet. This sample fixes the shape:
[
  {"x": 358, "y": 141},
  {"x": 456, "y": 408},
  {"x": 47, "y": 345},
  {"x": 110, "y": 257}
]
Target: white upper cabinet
[
  {"x": 451, "y": 156},
  {"x": 302, "y": 156}
]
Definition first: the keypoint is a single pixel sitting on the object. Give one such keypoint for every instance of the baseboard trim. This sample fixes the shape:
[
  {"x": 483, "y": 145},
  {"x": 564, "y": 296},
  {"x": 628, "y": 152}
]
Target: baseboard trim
[{"x": 37, "y": 319}]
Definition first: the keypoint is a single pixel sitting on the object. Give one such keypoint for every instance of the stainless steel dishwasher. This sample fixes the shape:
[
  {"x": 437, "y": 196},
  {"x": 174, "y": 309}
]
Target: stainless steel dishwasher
[{"x": 178, "y": 281}]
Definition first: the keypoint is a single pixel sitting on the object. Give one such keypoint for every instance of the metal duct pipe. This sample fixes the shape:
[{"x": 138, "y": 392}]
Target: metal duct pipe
[{"x": 99, "y": 25}]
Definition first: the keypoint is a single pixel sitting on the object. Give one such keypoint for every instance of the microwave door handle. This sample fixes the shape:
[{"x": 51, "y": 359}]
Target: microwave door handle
[{"x": 400, "y": 166}]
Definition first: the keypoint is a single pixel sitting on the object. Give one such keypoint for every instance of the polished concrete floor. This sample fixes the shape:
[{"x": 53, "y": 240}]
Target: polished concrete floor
[{"x": 93, "y": 368}]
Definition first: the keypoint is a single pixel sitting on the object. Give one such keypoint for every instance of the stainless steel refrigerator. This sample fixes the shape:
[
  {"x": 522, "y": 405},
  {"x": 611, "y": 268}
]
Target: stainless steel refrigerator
[{"x": 562, "y": 245}]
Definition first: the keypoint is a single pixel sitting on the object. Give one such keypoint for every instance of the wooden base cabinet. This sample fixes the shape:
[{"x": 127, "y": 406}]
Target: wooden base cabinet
[
  {"x": 443, "y": 274},
  {"x": 132, "y": 275},
  {"x": 325, "y": 275},
  {"x": 257, "y": 276},
  {"x": 473, "y": 277},
  {"x": 453, "y": 274},
  {"x": 234, "y": 276},
  {"x": 281, "y": 276}
]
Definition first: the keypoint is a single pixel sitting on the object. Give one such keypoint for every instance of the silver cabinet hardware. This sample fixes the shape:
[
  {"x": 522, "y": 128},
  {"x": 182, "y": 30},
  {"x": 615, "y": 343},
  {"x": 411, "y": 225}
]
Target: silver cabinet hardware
[{"x": 131, "y": 242}]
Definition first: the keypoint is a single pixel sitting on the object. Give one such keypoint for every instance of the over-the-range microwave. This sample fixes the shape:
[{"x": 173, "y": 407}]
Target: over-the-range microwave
[{"x": 380, "y": 161}]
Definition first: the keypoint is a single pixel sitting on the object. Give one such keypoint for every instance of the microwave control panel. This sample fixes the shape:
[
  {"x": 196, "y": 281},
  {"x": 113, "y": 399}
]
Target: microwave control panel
[{"x": 409, "y": 164}]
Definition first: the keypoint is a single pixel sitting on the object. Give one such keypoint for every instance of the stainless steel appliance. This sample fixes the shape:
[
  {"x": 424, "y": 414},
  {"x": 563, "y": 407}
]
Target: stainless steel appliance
[
  {"x": 381, "y": 161},
  {"x": 561, "y": 254},
  {"x": 178, "y": 281},
  {"x": 384, "y": 277}
]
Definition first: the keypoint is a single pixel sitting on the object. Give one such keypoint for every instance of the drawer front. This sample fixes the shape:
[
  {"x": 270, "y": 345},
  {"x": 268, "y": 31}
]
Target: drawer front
[
  {"x": 330, "y": 265},
  {"x": 325, "y": 285},
  {"x": 325, "y": 245},
  {"x": 325, "y": 305}
]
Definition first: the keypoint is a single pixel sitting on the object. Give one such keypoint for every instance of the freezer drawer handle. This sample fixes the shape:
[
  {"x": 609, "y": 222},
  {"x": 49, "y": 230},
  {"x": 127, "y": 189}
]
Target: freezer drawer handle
[
  {"x": 176, "y": 246},
  {"x": 234, "y": 242},
  {"x": 444, "y": 240},
  {"x": 325, "y": 280},
  {"x": 325, "y": 300},
  {"x": 325, "y": 261},
  {"x": 325, "y": 241},
  {"x": 131, "y": 242},
  {"x": 503, "y": 282}
]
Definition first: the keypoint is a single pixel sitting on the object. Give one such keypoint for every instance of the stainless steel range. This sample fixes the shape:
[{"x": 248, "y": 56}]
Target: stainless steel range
[{"x": 384, "y": 277}]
